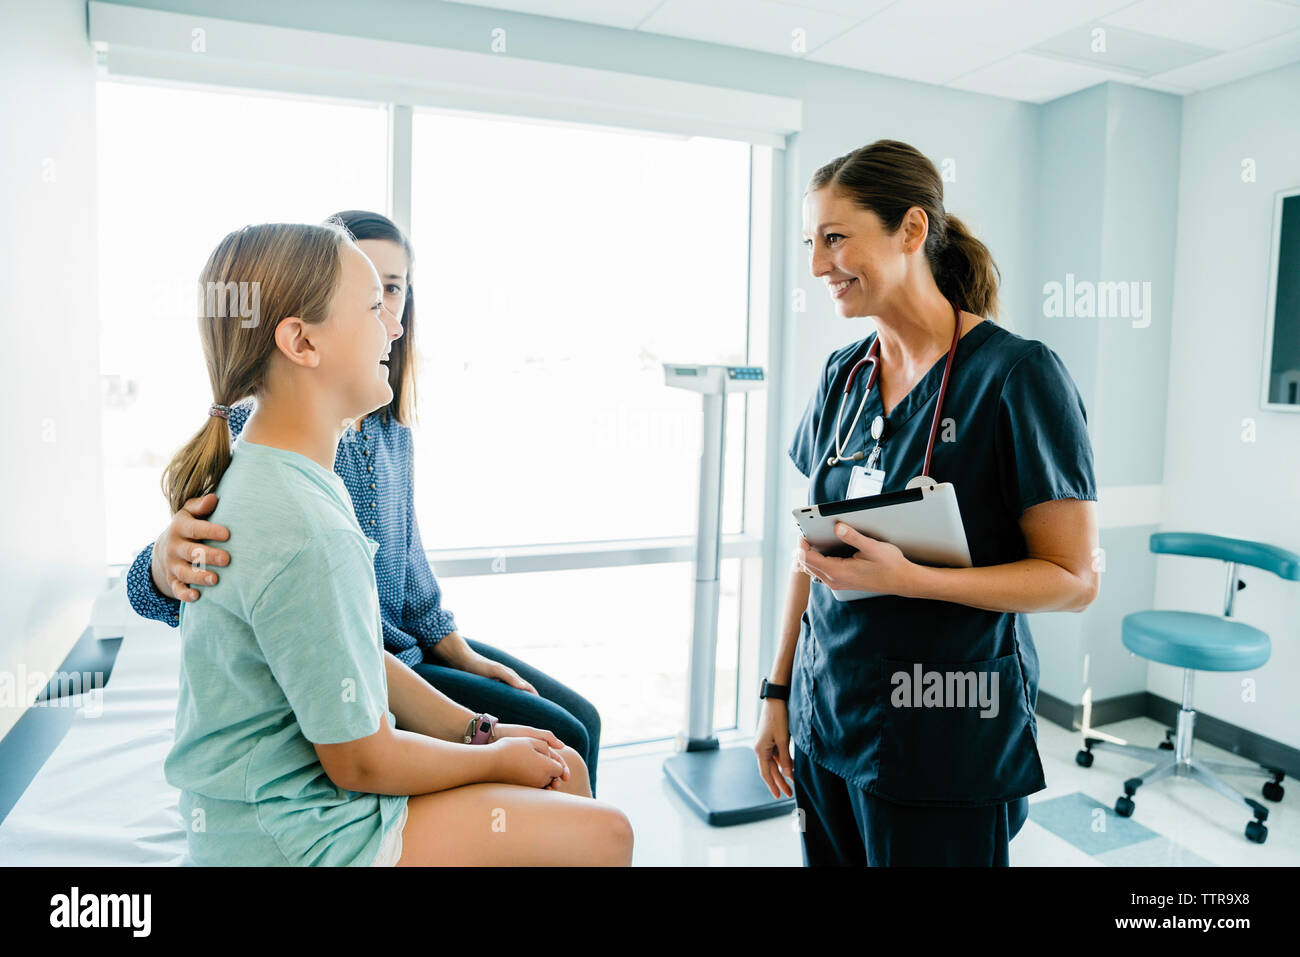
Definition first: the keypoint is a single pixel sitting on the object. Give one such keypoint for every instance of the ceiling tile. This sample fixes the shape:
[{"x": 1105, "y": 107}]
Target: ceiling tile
[
  {"x": 942, "y": 60},
  {"x": 1012, "y": 24},
  {"x": 940, "y": 40},
  {"x": 1234, "y": 65},
  {"x": 1140, "y": 54},
  {"x": 858, "y": 9},
  {"x": 765, "y": 25},
  {"x": 1031, "y": 78},
  {"x": 1220, "y": 24}
]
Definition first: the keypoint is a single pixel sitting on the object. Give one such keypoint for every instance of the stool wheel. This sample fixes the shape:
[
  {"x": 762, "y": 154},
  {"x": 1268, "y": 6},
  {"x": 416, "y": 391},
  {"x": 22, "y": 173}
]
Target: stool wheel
[
  {"x": 1167, "y": 744},
  {"x": 1257, "y": 832},
  {"x": 1273, "y": 791},
  {"x": 1124, "y": 808},
  {"x": 1084, "y": 760}
]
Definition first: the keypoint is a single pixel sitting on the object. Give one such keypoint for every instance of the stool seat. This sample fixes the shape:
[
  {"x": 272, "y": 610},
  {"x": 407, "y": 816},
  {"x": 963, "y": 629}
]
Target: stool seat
[{"x": 1186, "y": 639}]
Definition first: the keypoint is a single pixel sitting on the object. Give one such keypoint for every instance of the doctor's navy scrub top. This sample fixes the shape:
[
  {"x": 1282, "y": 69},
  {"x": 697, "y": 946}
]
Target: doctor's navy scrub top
[
  {"x": 286, "y": 650},
  {"x": 1019, "y": 437}
]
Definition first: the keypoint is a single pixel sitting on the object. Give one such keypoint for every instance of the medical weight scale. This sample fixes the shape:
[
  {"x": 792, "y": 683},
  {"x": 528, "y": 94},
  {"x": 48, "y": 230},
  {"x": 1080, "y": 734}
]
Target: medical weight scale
[{"x": 721, "y": 784}]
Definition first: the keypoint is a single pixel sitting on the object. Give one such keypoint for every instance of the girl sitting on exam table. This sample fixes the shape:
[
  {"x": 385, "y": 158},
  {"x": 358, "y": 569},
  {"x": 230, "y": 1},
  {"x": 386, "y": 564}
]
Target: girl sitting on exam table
[
  {"x": 375, "y": 460},
  {"x": 299, "y": 739}
]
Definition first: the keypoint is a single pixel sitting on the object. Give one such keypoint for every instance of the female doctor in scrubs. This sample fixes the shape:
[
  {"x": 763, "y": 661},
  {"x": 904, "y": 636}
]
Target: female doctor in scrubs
[{"x": 912, "y": 712}]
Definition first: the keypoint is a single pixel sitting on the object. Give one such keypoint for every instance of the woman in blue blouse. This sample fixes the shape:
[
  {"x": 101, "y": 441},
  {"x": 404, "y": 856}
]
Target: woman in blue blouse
[{"x": 374, "y": 459}]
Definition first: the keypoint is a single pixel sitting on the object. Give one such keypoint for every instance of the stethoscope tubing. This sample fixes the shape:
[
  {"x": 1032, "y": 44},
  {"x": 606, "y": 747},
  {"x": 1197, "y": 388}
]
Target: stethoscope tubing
[{"x": 873, "y": 358}]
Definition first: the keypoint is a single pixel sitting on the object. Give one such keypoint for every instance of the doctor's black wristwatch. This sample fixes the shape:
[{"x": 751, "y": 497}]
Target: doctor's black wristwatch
[{"x": 769, "y": 690}]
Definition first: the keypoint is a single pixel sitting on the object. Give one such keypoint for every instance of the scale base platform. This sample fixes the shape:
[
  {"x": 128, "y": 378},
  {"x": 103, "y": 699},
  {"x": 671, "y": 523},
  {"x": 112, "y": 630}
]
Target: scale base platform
[{"x": 722, "y": 785}]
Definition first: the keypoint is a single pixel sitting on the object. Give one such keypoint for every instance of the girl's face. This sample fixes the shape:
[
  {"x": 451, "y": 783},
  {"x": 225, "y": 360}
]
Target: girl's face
[
  {"x": 389, "y": 260},
  {"x": 849, "y": 248},
  {"x": 355, "y": 340}
]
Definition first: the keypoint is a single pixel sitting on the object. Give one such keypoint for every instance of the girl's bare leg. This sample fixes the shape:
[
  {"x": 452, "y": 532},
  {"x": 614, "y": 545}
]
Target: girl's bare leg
[{"x": 495, "y": 824}]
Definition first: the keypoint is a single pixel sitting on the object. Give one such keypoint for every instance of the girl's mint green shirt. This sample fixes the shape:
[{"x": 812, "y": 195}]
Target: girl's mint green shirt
[{"x": 285, "y": 650}]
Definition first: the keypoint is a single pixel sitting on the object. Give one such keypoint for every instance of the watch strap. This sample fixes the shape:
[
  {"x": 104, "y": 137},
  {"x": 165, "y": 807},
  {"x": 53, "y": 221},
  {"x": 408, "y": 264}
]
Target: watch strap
[{"x": 480, "y": 729}]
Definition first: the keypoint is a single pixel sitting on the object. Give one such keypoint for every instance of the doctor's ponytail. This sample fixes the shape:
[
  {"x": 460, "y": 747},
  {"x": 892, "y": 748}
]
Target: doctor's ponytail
[{"x": 889, "y": 178}]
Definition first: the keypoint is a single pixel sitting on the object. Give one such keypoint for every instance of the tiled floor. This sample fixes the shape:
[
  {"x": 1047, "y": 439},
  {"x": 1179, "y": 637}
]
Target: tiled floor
[{"x": 1177, "y": 822}]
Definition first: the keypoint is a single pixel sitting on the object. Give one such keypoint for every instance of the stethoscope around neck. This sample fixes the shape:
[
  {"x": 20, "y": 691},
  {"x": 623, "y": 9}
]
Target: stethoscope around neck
[{"x": 878, "y": 426}]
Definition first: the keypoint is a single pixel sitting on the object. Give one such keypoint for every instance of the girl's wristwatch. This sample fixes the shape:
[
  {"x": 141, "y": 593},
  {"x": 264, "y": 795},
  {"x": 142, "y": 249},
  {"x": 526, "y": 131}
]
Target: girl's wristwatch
[{"x": 480, "y": 729}]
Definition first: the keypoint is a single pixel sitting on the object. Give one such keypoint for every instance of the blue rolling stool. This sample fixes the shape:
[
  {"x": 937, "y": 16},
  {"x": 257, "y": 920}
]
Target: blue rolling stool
[{"x": 1196, "y": 642}]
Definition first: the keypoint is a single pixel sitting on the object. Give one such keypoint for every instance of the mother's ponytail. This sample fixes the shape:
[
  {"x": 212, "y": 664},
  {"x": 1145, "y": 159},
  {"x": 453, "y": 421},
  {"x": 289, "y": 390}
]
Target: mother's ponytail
[
  {"x": 889, "y": 178},
  {"x": 255, "y": 278}
]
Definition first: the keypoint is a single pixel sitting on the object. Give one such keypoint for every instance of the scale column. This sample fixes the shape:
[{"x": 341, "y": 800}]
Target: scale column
[{"x": 708, "y": 554}]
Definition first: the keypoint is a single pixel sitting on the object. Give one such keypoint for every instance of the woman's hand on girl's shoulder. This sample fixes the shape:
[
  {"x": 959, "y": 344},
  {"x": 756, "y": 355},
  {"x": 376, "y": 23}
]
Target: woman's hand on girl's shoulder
[{"x": 179, "y": 560}]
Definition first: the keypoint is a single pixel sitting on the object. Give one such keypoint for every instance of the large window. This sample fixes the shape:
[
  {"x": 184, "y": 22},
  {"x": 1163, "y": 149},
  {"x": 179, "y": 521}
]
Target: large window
[
  {"x": 618, "y": 636},
  {"x": 558, "y": 268}
]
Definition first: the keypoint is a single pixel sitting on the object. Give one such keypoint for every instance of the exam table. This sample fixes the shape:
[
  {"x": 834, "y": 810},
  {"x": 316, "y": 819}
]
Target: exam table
[{"x": 100, "y": 799}]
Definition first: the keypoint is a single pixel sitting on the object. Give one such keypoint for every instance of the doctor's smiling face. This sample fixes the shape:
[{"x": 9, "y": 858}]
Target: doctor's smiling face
[{"x": 850, "y": 250}]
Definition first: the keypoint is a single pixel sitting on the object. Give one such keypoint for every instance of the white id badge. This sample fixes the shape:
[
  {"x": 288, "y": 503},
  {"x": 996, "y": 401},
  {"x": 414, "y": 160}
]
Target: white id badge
[{"x": 863, "y": 482}]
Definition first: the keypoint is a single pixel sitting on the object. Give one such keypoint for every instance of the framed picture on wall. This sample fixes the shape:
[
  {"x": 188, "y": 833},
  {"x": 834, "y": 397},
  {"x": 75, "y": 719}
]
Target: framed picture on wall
[{"x": 1281, "y": 378}]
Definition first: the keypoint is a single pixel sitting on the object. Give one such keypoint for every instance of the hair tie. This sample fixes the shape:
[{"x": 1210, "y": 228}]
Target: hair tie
[{"x": 219, "y": 410}]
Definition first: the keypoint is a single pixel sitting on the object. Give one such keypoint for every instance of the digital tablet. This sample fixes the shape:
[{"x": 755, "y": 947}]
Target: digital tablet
[{"x": 924, "y": 522}]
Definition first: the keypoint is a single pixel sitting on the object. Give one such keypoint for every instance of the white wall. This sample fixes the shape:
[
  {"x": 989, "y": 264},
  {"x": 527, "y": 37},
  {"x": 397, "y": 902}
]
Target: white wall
[
  {"x": 51, "y": 483},
  {"x": 1213, "y": 480}
]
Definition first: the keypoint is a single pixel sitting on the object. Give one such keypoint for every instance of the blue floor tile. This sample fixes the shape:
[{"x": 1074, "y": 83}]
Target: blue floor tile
[{"x": 1091, "y": 827}]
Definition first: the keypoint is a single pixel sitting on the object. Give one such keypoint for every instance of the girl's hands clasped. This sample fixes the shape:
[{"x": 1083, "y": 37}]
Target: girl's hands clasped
[
  {"x": 529, "y": 761},
  {"x": 877, "y": 567}
]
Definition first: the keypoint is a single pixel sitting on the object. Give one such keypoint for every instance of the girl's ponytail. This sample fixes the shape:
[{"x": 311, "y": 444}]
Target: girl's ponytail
[
  {"x": 255, "y": 278},
  {"x": 197, "y": 468}
]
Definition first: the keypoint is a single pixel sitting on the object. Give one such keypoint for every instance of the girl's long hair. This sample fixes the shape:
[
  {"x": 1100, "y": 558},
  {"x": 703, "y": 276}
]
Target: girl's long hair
[
  {"x": 256, "y": 277},
  {"x": 889, "y": 178},
  {"x": 363, "y": 224}
]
